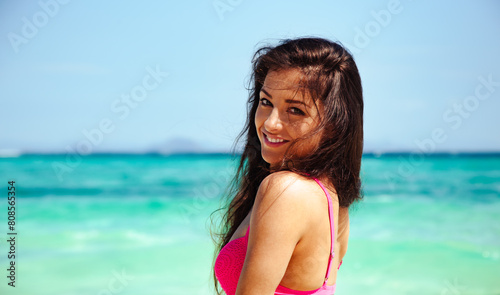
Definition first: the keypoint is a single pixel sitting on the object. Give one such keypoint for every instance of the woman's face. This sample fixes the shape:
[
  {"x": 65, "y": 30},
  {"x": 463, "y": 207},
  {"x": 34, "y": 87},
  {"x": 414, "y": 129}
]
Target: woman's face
[{"x": 285, "y": 114}]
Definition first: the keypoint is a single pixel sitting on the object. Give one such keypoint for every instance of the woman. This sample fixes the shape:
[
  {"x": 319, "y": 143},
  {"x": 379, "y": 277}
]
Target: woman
[{"x": 285, "y": 230}]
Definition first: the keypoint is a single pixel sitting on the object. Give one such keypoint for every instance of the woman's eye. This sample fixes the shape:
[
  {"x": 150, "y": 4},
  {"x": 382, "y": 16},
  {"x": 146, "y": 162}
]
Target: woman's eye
[
  {"x": 297, "y": 111},
  {"x": 265, "y": 102}
]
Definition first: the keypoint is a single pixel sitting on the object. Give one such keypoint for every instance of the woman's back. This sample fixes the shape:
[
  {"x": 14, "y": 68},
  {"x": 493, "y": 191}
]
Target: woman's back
[{"x": 290, "y": 235}]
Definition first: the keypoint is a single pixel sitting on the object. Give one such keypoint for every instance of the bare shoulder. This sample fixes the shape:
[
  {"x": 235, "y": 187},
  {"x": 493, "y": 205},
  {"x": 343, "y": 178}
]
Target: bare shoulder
[
  {"x": 279, "y": 220},
  {"x": 281, "y": 213},
  {"x": 285, "y": 184},
  {"x": 292, "y": 185},
  {"x": 289, "y": 194}
]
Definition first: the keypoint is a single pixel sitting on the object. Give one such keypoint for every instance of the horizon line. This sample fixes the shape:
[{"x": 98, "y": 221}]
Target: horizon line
[{"x": 375, "y": 154}]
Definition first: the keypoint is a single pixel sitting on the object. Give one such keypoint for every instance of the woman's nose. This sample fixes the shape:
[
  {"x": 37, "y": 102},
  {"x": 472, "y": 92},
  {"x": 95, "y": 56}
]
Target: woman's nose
[{"x": 273, "y": 122}]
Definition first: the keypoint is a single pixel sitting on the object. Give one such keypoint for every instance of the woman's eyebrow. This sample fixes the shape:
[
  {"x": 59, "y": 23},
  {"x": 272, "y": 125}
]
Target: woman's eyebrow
[
  {"x": 287, "y": 100},
  {"x": 267, "y": 93}
]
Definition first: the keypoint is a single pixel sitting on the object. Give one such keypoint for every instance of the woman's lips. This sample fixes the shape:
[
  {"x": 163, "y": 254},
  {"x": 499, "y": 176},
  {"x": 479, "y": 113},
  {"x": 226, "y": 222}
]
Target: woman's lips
[{"x": 273, "y": 144}]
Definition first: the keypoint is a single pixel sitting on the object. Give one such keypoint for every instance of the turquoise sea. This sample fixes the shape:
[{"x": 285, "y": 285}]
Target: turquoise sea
[{"x": 138, "y": 224}]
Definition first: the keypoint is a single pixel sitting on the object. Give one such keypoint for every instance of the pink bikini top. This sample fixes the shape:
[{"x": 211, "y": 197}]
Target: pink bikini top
[{"x": 229, "y": 262}]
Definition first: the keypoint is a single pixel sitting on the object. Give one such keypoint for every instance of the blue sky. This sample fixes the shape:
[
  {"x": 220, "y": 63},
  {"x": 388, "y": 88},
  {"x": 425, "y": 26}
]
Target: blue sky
[{"x": 94, "y": 76}]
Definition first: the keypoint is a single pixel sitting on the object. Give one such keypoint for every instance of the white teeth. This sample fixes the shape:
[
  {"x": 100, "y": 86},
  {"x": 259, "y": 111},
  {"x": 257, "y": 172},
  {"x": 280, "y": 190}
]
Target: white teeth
[{"x": 274, "y": 140}]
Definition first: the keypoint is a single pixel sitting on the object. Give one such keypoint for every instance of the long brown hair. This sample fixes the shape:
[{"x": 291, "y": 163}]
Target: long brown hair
[{"x": 331, "y": 78}]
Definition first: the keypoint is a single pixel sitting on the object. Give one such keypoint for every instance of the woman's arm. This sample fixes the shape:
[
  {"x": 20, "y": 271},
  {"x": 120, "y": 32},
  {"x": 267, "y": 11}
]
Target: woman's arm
[{"x": 278, "y": 221}]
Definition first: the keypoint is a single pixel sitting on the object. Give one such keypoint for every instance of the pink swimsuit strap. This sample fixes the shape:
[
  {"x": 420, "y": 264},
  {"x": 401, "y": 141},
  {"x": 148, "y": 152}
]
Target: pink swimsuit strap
[{"x": 332, "y": 230}]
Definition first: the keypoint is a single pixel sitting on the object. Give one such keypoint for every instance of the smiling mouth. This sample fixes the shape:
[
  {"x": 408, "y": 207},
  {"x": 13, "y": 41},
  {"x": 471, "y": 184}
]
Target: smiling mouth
[{"x": 273, "y": 142}]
